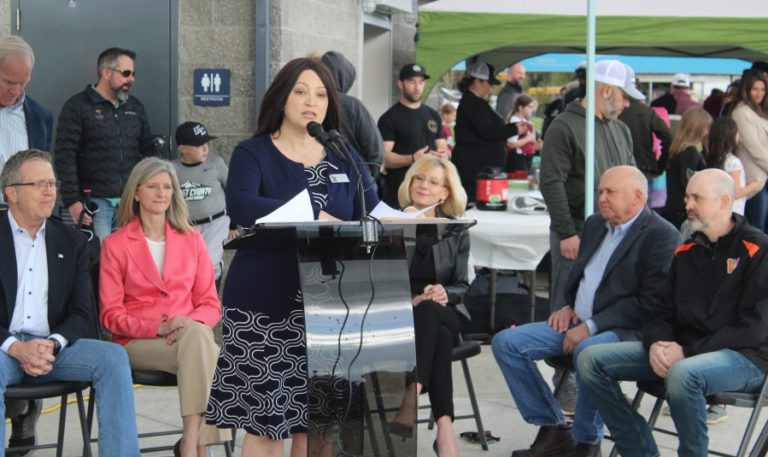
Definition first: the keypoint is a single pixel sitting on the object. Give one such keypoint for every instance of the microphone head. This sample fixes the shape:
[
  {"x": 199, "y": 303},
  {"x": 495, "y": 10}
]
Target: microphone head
[
  {"x": 334, "y": 134},
  {"x": 315, "y": 130}
]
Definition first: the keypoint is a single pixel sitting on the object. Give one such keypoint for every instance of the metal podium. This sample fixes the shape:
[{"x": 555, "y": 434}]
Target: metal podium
[{"x": 359, "y": 330}]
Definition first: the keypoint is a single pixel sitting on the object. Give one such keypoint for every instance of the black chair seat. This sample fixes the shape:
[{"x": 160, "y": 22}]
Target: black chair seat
[
  {"x": 154, "y": 378},
  {"x": 33, "y": 391},
  {"x": 465, "y": 350},
  {"x": 564, "y": 362},
  {"x": 740, "y": 399}
]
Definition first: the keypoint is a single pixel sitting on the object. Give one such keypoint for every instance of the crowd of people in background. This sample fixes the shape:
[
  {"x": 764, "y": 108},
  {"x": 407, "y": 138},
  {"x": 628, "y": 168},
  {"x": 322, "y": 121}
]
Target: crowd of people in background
[{"x": 617, "y": 276}]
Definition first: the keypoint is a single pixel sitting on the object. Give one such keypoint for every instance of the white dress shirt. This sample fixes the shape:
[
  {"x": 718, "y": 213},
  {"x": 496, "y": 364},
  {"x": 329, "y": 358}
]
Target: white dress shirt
[
  {"x": 13, "y": 131},
  {"x": 30, "y": 313}
]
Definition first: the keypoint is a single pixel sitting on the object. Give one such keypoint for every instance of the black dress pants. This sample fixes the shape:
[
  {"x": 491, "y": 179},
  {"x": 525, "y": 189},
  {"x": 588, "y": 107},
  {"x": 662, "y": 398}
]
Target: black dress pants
[{"x": 437, "y": 332}]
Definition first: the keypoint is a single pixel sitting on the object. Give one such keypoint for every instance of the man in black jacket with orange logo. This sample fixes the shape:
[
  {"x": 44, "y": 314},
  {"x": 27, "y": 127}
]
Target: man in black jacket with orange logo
[
  {"x": 102, "y": 133},
  {"x": 707, "y": 336}
]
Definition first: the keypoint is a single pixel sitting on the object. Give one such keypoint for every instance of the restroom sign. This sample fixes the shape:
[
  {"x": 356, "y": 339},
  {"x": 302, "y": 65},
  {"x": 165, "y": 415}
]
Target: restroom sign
[{"x": 211, "y": 87}]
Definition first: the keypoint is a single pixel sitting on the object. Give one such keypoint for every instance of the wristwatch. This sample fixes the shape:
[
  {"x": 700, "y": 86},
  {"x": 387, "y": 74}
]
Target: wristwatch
[{"x": 56, "y": 346}]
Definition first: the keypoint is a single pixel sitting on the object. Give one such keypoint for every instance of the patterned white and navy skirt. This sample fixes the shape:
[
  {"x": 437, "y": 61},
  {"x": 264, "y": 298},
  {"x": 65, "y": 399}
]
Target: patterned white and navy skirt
[{"x": 260, "y": 383}]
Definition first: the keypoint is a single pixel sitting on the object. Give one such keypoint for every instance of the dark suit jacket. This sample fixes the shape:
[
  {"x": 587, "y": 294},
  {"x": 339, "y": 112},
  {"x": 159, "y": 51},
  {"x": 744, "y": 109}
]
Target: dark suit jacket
[
  {"x": 69, "y": 295},
  {"x": 635, "y": 277},
  {"x": 39, "y": 125}
]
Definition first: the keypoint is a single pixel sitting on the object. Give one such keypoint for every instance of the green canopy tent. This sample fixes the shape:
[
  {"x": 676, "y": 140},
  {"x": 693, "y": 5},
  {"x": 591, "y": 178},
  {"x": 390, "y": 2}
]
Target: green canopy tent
[{"x": 502, "y": 32}]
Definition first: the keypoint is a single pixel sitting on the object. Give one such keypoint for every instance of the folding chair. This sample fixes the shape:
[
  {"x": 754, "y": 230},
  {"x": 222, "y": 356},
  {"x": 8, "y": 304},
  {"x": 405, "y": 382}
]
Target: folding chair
[
  {"x": 462, "y": 352},
  {"x": 755, "y": 401},
  {"x": 62, "y": 389}
]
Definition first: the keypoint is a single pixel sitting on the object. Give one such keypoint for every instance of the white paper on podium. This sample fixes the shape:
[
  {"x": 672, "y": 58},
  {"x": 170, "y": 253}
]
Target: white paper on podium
[
  {"x": 297, "y": 209},
  {"x": 383, "y": 210}
]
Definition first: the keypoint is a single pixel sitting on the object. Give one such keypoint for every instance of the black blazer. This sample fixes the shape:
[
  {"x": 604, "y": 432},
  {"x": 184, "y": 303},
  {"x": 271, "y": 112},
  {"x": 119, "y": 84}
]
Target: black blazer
[
  {"x": 69, "y": 294},
  {"x": 635, "y": 277}
]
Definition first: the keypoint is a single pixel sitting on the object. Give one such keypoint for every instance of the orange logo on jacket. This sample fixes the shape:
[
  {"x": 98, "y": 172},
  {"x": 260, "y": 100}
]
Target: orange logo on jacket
[{"x": 731, "y": 265}]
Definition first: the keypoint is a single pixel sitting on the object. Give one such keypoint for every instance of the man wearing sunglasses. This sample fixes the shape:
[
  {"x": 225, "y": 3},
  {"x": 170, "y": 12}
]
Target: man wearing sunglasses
[{"x": 102, "y": 133}]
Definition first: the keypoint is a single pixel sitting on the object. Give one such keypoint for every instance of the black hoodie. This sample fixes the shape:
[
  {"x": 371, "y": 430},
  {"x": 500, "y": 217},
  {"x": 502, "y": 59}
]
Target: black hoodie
[
  {"x": 357, "y": 124},
  {"x": 717, "y": 296}
]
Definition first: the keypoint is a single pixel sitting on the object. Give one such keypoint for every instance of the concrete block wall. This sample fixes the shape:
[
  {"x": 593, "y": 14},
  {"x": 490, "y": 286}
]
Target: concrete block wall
[{"x": 218, "y": 34}]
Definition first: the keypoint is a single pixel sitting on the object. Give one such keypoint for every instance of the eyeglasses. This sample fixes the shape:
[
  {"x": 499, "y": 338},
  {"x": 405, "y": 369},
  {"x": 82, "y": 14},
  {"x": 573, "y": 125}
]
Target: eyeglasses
[
  {"x": 40, "y": 184},
  {"x": 430, "y": 182},
  {"x": 124, "y": 73}
]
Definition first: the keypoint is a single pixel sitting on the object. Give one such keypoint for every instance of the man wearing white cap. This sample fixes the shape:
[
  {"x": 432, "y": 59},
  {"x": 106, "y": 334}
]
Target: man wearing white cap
[
  {"x": 677, "y": 100},
  {"x": 562, "y": 169}
]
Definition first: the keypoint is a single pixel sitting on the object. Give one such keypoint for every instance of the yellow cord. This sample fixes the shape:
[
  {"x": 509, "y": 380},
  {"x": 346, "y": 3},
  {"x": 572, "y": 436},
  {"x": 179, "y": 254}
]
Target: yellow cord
[{"x": 71, "y": 400}]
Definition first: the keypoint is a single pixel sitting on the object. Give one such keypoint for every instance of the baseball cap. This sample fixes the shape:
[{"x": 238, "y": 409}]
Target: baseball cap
[
  {"x": 581, "y": 69},
  {"x": 681, "y": 80},
  {"x": 411, "y": 70},
  {"x": 615, "y": 73},
  {"x": 484, "y": 71},
  {"x": 192, "y": 134}
]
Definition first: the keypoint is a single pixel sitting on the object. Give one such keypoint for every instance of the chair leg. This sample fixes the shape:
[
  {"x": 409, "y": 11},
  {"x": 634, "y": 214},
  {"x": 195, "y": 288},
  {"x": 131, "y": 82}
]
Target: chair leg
[
  {"x": 475, "y": 408},
  {"x": 84, "y": 424},
  {"x": 431, "y": 421},
  {"x": 91, "y": 412},
  {"x": 62, "y": 422},
  {"x": 635, "y": 405}
]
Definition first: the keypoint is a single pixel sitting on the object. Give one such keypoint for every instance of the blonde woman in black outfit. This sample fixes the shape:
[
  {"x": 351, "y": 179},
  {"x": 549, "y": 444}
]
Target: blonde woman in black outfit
[{"x": 438, "y": 272}]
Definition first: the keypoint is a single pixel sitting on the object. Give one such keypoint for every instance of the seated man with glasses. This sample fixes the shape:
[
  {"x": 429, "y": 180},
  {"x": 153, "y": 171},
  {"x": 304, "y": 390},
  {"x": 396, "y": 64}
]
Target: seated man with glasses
[
  {"x": 45, "y": 304},
  {"x": 102, "y": 133}
]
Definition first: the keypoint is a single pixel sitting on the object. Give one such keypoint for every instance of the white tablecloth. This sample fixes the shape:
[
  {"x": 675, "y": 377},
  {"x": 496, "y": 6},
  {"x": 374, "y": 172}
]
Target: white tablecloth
[{"x": 506, "y": 240}]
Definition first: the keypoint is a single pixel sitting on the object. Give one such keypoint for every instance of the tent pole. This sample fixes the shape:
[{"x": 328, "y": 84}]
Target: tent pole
[{"x": 589, "y": 152}]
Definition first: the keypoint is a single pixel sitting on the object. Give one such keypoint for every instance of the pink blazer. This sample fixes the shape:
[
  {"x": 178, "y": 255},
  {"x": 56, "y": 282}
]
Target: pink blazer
[{"x": 135, "y": 299}]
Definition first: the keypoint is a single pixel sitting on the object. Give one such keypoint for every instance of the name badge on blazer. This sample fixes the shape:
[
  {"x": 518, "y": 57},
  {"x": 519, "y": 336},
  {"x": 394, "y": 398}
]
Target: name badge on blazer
[{"x": 338, "y": 178}]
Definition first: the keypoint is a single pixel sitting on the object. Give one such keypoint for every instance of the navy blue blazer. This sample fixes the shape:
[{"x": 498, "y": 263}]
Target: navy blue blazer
[
  {"x": 636, "y": 275},
  {"x": 39, "y": 124}
]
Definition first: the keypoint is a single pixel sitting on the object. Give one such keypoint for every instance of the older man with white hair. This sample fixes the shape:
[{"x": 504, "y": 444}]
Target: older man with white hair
[
  {"x": 706, "y": 336},
  {"x": 616, "y": 281}
]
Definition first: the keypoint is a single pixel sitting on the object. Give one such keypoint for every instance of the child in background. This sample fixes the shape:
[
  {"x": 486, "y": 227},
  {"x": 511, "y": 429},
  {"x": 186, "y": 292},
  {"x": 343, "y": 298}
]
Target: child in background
[
  {"x": 522, "y": 147},
  {"x": 203, "y": 178},
  {"x": 723, "y": 139},
  {"x": 448, "y": 115}
]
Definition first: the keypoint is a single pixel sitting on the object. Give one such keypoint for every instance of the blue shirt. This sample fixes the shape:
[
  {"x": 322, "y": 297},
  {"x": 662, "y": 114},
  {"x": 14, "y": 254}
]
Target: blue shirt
[{"x": 593, "y": 272}]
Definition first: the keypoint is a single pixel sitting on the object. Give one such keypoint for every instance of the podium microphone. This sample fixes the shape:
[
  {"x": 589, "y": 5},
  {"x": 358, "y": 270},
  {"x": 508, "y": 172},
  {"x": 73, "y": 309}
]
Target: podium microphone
[{"x": 333, "y": 141}]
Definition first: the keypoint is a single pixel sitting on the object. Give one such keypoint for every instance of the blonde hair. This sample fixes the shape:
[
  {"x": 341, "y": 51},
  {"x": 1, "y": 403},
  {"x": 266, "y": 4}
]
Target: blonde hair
[
  {"x": 177, "y": 213},
  {"x": 692, "y": 129},
  {"x": 455, "y": 204}
]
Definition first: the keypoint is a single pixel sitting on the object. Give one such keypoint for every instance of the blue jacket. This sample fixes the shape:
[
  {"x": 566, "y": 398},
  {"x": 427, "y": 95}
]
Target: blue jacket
[
  {"x": 635, "y": 278},
  {"x": 260, "y": 180},
  {"x": 39, "y": 124}
]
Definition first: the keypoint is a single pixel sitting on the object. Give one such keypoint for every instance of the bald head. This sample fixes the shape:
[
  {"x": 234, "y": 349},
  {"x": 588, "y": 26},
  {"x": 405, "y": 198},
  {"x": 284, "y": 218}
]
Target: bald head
[
  {"x": 709, "y": 202},
  {"x": 622, "y": 194},
  {"x": 516, "y": 74}
]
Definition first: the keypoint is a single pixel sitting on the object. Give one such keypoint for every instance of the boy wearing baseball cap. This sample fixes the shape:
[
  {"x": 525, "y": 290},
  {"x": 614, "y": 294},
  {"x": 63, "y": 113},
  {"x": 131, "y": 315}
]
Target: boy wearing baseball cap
[{"x": 203, "y": 178}]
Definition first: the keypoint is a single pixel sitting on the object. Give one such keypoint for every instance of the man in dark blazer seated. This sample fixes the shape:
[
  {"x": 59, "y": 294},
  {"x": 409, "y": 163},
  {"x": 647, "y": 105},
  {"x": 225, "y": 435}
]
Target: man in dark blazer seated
[
  {"x": 45, "y": 304},
  {"x": 617, "y": 279}
]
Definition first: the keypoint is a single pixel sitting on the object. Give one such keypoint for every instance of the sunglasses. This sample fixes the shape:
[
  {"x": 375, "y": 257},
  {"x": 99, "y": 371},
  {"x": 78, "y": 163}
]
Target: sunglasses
[{"x": 124, "y": 73}]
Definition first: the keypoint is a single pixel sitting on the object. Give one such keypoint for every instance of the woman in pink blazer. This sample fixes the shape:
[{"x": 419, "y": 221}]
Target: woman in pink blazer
[{"x": 158, "y": 297}]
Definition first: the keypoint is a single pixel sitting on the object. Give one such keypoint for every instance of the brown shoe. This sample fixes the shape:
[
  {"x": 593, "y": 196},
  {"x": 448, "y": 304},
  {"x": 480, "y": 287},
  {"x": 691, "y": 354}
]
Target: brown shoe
[
  {"x": 583, "y": 450},
  {"x": 550, "y": 441}
]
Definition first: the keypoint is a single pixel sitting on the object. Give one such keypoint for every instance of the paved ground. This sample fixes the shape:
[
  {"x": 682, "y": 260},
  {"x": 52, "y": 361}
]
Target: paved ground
[{"x": 157, "y": 409}]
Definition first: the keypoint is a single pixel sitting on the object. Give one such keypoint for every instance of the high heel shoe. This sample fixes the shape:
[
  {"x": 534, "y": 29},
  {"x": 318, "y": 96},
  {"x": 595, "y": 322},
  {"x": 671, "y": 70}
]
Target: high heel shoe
[
  {"x": 177, "y": 449},
  {"x": 401, "y": 430},
  {"x": 434, "y": 448}
]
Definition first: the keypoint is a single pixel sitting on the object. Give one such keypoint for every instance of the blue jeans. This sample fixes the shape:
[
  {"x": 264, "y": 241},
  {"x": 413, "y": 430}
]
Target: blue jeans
[
  {"x": 516, "y": 351},
  {"x": 756, "y": 209},
  {"x": 688, "y": 382},
  {"x": 105, "y": 220},
  {"x": 106, "y": 366}
]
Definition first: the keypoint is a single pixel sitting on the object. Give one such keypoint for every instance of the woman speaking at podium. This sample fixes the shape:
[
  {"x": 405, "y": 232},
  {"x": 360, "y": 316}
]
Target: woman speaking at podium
[
  {"x": 438, "y": 272},
  {"x": 261, "y": 379}
]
